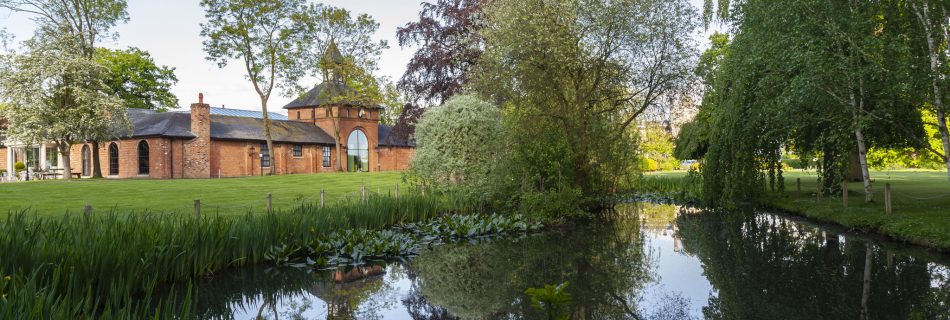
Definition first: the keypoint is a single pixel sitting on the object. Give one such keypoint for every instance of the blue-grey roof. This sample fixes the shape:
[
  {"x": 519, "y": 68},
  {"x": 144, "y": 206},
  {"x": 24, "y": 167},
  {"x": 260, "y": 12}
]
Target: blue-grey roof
[
  {"x": 243, "y": 113},
  {"x": 395, "y": 138},
  {"x": 244, "y": 128},
  {"x": 147, "y": 123}
]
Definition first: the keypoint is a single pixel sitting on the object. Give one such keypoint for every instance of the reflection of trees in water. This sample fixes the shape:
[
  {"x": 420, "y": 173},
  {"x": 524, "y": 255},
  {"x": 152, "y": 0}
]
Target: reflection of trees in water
[
  {"x": 605, "y": 264},
  {"x": 767, "y": 267}
]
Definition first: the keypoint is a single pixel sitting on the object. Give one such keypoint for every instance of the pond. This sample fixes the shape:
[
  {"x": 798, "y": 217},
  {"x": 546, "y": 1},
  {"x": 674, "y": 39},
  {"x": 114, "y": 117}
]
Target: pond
[{"x": 649, "y": 262}]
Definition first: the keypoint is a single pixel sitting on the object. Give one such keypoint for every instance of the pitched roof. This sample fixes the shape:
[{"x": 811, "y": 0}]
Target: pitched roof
[
  {"x": 394, "y": 136},
  {"x": 167, "y": 124},
  {"x": 323, "y": 94},
  {"x": 243, "y": 128},
  {"x": 147, "y": 123}
]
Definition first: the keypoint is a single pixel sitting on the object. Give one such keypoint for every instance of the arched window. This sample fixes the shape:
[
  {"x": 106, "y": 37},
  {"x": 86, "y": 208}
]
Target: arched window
[
  {"x": 357, "y": 152},
  {"x": 143, "y": 157},
  {"x": 113, "y": 159},
  {"x": 86, "y": 161}
]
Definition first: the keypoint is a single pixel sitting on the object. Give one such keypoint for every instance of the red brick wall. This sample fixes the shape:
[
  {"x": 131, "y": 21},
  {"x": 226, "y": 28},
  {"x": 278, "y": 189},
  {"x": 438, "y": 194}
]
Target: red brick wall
[
  {"x": 3, "y": 158},
  {"x": 395, "y": 158},
  {"x": 159, "y": 158},
  {"x": 235, "y": 159}
]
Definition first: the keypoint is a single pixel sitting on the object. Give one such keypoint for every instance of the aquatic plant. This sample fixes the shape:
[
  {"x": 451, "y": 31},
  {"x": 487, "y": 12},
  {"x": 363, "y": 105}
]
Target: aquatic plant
[{"x": 360, "y": 246}]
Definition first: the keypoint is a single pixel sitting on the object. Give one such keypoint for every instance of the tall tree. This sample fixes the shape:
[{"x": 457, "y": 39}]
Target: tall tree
[
  {"x": 136, "y": 78},
  {"x": 268, "y": 37},
  {"x": 347, "y": 59},
  {"x": 933, "y": 19},
  {"x": 86, "y": 22},
  {"x": 583, "y": 71},
  {"x": 54, "y": 93},
  {"x": 447, "y": 33}
]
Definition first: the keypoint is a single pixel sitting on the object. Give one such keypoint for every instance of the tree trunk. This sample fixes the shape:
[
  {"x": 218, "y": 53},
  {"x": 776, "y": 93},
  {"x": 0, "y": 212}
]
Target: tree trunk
[
  {"x": 267, "y": 137},
  {"x": 67, "y": 166},
  {"x": 96, "y": 168},
  {"x": 858, "y": 105},
  {"x": 922, "y": 10},
  {"x": 853, "y": 173},
  {"x": 335, "y": 120}
]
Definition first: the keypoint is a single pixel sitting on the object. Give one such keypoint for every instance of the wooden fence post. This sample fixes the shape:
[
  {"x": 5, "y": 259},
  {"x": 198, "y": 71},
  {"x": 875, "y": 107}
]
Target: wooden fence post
[
  {"x": 888, "y": 209},
  {"x": 798, "y": 187},
  {"x": 197, "y": 209},
  {"x": 397, "y": 191},
  {"x": 87, "y": 210},
  {"x": 270, "y": 203},
  {"x": 322, "y": 194},
  {"x": 844, "y": 194}
]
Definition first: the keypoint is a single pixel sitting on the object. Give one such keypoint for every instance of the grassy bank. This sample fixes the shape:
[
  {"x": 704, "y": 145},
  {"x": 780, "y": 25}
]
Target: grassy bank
[
  {"x": 921, "y": 204},
  {"x": 234, "y": 196},
  {"x": 107, "y": 266}
]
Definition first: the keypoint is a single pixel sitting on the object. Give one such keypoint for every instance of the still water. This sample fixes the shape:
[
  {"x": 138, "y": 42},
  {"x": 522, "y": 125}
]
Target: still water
[{"x": 649, "y": 262}]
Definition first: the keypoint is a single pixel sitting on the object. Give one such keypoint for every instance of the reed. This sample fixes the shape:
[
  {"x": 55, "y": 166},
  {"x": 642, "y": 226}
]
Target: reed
[{"x": 109, "y": 265}]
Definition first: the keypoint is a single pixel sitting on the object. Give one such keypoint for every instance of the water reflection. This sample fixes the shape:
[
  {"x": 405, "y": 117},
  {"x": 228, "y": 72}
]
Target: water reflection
[
  {"x": 647, "y": 262},
  {"x": 768, "y": 267}
]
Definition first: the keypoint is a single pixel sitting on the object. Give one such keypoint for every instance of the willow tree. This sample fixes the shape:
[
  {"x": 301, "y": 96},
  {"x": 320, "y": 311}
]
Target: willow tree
[
  {"x": 574, "y": 75},
  {"x": 268, "y": 38}
]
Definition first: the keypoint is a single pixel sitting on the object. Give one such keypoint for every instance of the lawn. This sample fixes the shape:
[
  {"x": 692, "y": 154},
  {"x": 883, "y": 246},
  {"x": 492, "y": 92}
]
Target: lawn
[
  {"x": 921, "y": 203},
  {"x": 224, "y": 196}
]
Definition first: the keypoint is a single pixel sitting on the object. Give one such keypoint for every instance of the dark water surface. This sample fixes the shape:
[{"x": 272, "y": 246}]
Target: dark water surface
[{"x": 651, "y": 262}]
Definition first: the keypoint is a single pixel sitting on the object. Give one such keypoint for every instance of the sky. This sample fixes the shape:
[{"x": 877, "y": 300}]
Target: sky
[{"x": 170, "y": 31}]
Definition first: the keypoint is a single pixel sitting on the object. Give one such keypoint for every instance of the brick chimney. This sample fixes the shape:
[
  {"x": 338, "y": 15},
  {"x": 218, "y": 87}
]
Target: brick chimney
[{"x": 197, "y": 155}]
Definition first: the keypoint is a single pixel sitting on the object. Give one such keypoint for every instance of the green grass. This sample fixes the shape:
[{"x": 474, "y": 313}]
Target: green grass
[
  {"x": 225, "y": 196},
  {"x": 921, "y": 203}
]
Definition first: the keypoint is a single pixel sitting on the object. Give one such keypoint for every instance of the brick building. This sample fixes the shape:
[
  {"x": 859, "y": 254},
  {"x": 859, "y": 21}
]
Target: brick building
[
  {"x": 210, "y": 142},
  {"x": 200, "y": 144}
]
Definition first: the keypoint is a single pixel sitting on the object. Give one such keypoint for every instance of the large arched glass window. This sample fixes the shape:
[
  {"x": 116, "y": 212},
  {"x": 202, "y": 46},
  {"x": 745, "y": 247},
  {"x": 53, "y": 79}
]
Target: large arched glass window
[
  {"x": 143, "y": 157},
  {"x": 357, "y": 152},
  {"x": 86, "y": 161},
  {"x": 113, "y": 159}
]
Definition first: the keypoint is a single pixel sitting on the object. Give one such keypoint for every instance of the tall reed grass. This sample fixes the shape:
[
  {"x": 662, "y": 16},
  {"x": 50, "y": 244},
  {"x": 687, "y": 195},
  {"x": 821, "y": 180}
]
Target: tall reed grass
[{"x": 109, "y": 265}]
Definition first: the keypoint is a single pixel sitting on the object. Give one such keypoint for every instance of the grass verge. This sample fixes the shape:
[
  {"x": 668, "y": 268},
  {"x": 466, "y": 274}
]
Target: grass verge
[{"x": 234, "y": 196}]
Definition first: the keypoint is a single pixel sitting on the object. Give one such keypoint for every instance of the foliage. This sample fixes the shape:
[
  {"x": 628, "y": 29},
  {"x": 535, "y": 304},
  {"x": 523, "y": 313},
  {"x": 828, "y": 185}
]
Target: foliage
[
  {"x": 55, "y": 94},
  {"x": 85, "y": 22},
  {"x": 551, "y": 300},
  {"x": 655, "y": 146},
  {"x": 19, "y": 166},
  {"x": 458, "y": 144},
  {"x": 136, "y": 79},
  {"x": 447, "y": 33},
  {"x": 822, "y": 88},
  {"x": 571, "y": 77},
  {"x": 393, "y": 103}
]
